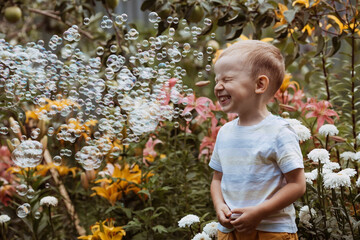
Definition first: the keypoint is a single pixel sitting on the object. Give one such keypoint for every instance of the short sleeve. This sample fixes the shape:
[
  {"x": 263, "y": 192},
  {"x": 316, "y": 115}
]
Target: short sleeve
[
  {"x": 215, "y": 159},
  {"x": 288, "y": 152}
]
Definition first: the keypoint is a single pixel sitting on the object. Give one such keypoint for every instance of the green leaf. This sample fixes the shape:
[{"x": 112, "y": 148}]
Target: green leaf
[
  {"x": 159, "y": 229},
  {"x": 235, "y": 35},
  {"x": 148, "y": 5},
  {"x": 336, "y": 44},
  {"x": 289, "y": 15}
]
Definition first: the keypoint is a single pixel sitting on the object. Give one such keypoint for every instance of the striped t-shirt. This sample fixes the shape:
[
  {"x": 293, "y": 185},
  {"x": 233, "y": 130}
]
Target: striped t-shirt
[{"x": 253, "y": 160}]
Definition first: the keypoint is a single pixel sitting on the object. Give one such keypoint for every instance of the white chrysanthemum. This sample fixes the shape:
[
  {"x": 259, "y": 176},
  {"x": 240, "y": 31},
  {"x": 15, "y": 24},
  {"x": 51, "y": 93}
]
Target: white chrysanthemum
[
  {"x": 49, "y": 201},
  {"x": 357, "y": 156},
  {"x": 331, "y": 166},
  {"x": 328, "y": 130},
  {"x": 188, "y": 220},
  {"x": 311, "y": 176},
  {"x": 348, "y": 171},
  {"x": 358, "y": 183},
  {"x": 4, "y": 218},
  {"x": 336, "y": 180},
  {"x": 201, "y": 236},
  {"x": 347, "y": 156},
  {"x": 319, "y": 155},
  {"x": 302, "y": 132},
  {"x": 358, "y": 137},
  {"x": 293, "y": 122},
  {"x": 211, "y": 229},
  {"x": 304, "y": 215}
]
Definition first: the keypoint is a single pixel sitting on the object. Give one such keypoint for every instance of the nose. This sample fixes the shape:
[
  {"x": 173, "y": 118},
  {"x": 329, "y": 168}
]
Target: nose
[{"x": 218, "y": 86}]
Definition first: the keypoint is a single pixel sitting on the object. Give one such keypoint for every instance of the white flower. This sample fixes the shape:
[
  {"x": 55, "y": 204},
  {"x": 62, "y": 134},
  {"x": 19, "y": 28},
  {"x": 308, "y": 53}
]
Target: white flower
[
  {"x": 211, "y": 229},
  {"x": 358, "y": 182},
  {"x": 305, "y": 216},
  {"x": 4, "y": 218},
  {"x": 311, "y": 176},
  {"x": 358, "y": 137},
  {"x": 336, "y": 180},
  {"x": 348, "y": 171},
  {"x": 347, "y": 156},
  {"x": 357, "y": 156},
  {"x": 49, "y": 200},
  {"x": 188, "y": 220},
  {"x": 300, "y": 130},
  {"x": 201, "y": 236},
  {"x": 328, "y": 130},
  {"x": 331, "y": 166},
  {"x": 319, "y": 155}
]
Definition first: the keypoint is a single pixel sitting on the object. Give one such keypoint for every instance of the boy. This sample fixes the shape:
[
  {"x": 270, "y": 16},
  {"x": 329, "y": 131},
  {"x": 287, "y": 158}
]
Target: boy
[{"x": 257, "y": 159}]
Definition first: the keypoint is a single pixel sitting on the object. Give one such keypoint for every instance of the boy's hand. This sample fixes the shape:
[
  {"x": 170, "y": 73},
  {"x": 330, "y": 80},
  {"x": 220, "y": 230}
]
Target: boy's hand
[
  {"x": 249, "y": 219},
  {"x": 223, "y": 214}
]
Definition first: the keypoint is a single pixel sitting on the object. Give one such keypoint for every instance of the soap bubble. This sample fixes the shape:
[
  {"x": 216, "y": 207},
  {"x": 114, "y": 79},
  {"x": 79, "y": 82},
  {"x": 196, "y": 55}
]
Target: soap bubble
[
  {"x": 28, "y": 154},
  {"x": 188, "y": 116},
  {"x": 57, "y": 160},
  {"x": 4, "y": 130},
  {"x": 21, "y": 189},
  {"x": 124, "y": 17},
  {"x": 207, "y": 21},
  {"x": 86, "y": 21},
  {"x": 37, "y": 215},
  {"x": 153, "y": 17},
  {"x": 23, "y": 210},
  {"x": 30, "y": 193},
  {"x": 89, "y": 157}
]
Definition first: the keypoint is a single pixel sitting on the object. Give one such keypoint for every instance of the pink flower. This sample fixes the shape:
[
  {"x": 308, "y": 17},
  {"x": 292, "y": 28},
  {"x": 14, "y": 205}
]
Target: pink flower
[
  {"x": 6, "y": 178},
  {"x": 202, "y": 105},
  {"x": 208, "y": 142},
  {"x": 167, "y": 91},
  {"x": 321, "y": 111},
  {"x": 149, "y": 150}
]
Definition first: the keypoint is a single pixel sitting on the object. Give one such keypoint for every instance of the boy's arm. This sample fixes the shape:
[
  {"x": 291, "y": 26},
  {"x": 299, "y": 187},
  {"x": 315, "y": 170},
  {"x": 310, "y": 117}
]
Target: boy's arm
[
  {"x": 222, "y": 210},
  {"x": 251, "y": 216}
]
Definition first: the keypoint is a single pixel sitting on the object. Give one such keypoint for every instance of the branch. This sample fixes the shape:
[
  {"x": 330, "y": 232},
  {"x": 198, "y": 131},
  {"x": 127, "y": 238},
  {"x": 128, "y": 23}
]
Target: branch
[
  {"x": 57, "y": 18},
  {"x": 69, "y": 206}
]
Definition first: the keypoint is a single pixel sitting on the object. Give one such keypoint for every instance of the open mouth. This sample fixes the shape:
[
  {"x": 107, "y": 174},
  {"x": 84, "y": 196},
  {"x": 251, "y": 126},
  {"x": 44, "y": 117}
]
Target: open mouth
[{"x": 224, "y": 99}]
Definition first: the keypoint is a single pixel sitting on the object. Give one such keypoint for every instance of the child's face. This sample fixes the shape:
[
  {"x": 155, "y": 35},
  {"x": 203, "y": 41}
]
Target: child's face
[{"x": 234, "y": 88}]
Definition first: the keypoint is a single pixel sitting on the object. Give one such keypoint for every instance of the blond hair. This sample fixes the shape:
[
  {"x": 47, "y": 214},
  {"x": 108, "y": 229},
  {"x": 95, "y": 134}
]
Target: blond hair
[{"x": 263, "y": 59}]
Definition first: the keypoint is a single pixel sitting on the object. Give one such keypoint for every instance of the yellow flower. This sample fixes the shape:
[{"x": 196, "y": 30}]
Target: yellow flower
[
  {"x": 306, "y": 3},
  {"x": 280, "y": 15},
  {"x": 338, "y": 22},
  {"x": 41, "y": 170},
  {"x": 127, "y": 180},
  {"x": 84, "y": 128},
  {"x": 308, "y": 29},
  {"x": 51, "y": 105},
  {"x": 105, "y": 231},
  {"x": 287, "y": 82}
]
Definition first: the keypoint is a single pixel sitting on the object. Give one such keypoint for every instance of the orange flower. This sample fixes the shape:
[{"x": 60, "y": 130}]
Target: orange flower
[
  {"x": 280, "y": 15},
  {"x": 105, "y": 231},
  {"x": 287, "y": 82}
]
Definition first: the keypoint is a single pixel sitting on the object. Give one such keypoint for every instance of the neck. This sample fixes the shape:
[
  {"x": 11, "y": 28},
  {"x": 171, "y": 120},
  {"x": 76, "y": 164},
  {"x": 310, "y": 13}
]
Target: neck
[{"x": 253, "y": 117}]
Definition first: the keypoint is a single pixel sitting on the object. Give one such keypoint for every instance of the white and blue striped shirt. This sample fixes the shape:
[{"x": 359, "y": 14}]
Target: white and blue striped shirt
[{"x": 253, "y": 160}]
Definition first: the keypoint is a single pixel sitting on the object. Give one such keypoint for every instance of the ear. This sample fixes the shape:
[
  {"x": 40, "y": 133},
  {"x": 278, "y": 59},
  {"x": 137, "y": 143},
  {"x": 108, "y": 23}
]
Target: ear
[{"x": 262, "y": 84}]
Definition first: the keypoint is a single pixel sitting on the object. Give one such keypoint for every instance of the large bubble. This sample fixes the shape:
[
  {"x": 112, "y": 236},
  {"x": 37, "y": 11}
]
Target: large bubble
[{"x": 28, "y": 154}]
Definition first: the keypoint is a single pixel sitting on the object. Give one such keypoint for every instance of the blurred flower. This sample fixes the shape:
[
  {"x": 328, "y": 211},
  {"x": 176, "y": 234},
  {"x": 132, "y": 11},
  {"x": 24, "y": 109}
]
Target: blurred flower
[
  {"x": 347, "y": 156},
  {"x": 328, "y": 130},
  {"x": 336, "y": 180},
  {"x": 211, "y": 229},
  {"x": 311, "y": 176},
  {"x": 331, "y": 166},
  {"x": 4, "y": 218},
  {"x": 202, "y": 105},
  {"x": 42, "y": 170},
  {"x": 149, "y": 152},
  {"x": 305, "y": 216},
  {"x": 358, "y": 183},
  {"x": 357, "y": 156},
  {"x": 188, "y": 220},
  {"x": 208, "y": 142},
  {"x": 319, "y": 155},
  {"x": 49, "y": 201},
  {"x": 201, "y": 236},
  {"x": 49, "y": 106},
  {"x": 127, "y": 180},
  {"x": 348, "y": 171},
  {"x": 286, "y": 82},
  {"x": 301, "y": 131},
  {"x": 305, "y": 3},
  {"x": 280, "y": 15},
  {"x": 105, "y": 231},
  {"x": 321, "y": 111}
]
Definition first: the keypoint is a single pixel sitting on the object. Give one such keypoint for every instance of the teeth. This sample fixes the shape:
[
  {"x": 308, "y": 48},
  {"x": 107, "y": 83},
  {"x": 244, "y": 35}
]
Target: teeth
[{"x": 224, "y": 98}]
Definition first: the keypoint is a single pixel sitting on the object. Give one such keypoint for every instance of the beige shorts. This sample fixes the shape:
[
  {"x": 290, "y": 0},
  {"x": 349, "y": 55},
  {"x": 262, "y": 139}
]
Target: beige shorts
[{"x": 257, "y": 235}]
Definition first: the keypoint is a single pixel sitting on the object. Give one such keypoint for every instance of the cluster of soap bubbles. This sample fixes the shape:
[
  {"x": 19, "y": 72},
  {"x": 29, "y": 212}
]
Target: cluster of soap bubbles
[
  {"x": 90, "y": 157},
  {"x": 28, "y": 154},
  {"x": 134, "y": 92}
]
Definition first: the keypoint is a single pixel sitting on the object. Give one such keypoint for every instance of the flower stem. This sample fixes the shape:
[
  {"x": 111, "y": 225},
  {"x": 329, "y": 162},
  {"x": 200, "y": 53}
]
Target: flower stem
[
  {"x": 346, "y": 213},
  {"x": 3, "y": 235},
  {"x": 51, "y": 223}
]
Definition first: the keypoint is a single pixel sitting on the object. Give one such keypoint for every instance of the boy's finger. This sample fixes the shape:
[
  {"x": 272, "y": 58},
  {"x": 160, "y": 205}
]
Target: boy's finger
[
  {"x": 238, "y": 210},
  {"x": 227, "y": 212}
]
